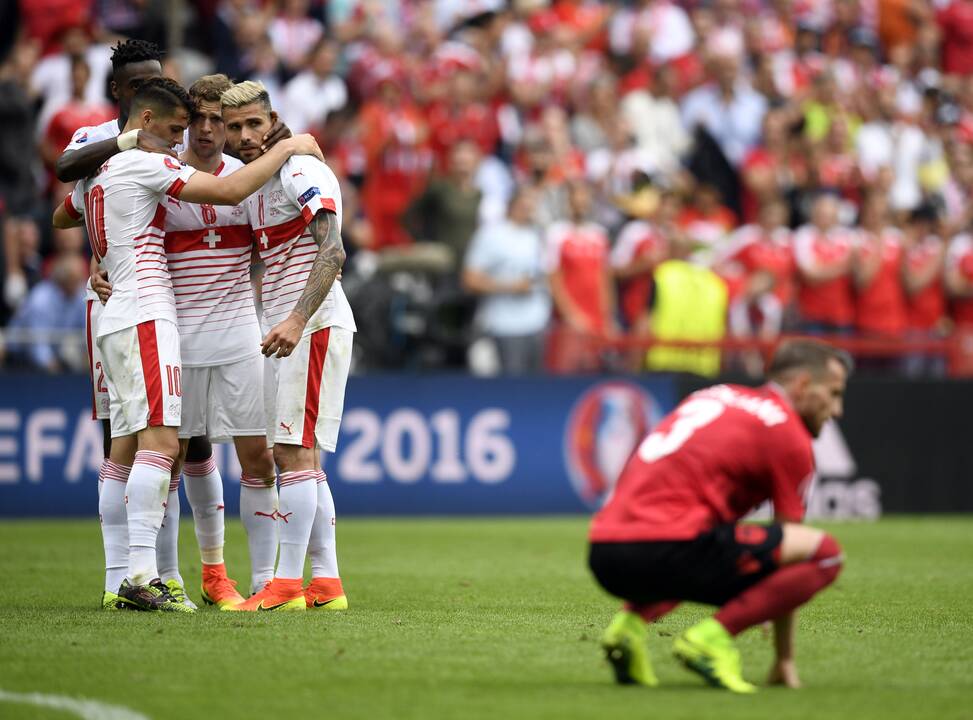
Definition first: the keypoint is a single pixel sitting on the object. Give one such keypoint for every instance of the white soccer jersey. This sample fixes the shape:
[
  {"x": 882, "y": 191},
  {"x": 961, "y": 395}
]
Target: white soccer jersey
[
  {"x": 84, "y": 136},
  {"x": 208, "y": 252},
  {"x": 125, "y": 218},
  {"x": 280, "y": 212}
]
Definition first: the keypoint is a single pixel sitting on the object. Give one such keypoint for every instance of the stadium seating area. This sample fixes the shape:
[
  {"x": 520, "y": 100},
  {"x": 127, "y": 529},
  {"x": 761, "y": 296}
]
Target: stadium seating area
[{"x": 520, "y": 178}]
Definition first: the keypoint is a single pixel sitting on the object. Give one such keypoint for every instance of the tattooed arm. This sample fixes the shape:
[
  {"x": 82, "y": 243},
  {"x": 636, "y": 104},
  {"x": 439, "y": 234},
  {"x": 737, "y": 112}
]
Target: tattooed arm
[{"x": 327, "y": 265}]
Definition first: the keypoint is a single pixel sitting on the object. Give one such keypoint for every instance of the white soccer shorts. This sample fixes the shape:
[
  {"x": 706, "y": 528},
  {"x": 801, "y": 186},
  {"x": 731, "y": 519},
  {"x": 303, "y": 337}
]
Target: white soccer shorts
[
  {"x": 305, "y": 392},
  {"x": 224, "y": 401},
  {"x": 144, "y": 376},
  {"x": 100, "y": 402}
]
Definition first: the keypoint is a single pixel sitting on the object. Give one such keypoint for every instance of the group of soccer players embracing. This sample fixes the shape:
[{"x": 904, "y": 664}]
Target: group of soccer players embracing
[{"x": 179, "y": 354}]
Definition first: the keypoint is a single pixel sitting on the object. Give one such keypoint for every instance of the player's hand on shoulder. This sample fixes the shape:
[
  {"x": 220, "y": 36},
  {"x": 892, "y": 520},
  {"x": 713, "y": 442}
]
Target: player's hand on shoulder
[
  {"x": 784, "y": 672},
  {"x": 283, "y": 337},
  {"x": 304, "y": 144},
  {"x": 278, "y": 131},
  {"x": 101, "y": 286},
  {"x": 154, "y": 144}
]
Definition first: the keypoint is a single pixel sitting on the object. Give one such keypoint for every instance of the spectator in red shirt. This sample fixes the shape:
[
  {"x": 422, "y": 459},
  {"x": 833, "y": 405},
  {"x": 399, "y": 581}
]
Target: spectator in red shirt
[
  {"x": 925, "y": 254},
  {"x": 956, "y": 23},
  {"x": 823, "y": 255},
  {"x": 880, "y": 304},
  {"x": 959, "y": 279},
  {"x": 670, "y": 530},
  {"x": 758, "y": 264},
  {"x": 640, "y": 246},
  {"x": 462, "y": 115},
  {"x": 581, "y": 285},
  {"x": 398, "y": 159},
  {"x": 75, "y": 114},
  {"x": 707, "y": 220}
]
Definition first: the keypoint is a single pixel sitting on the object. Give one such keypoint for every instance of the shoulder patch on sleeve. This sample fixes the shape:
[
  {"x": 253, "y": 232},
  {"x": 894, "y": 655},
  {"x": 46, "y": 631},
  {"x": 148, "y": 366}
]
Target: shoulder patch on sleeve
[{"x": 308, "y": 194}]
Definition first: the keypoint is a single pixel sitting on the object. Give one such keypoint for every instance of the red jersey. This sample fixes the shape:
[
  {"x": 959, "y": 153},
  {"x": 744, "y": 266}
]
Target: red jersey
[
  {"x": 881, "y": 305},
  {"x": 398, "y": 161},
  {"x": 580, "y": 252},
  {"x": 720, "y": 454},
  {"x": 928, "y": 306},
  {"x": 709, "y": 229},
  {"x": 832, "y": 301},
  {"x": 637, "y": 239},
  {"x": 447, "y": 125},
  {"x": 754, "y": 249},
  {"x": 960, "y": 259},
  {"x": 72, "y": 116}
]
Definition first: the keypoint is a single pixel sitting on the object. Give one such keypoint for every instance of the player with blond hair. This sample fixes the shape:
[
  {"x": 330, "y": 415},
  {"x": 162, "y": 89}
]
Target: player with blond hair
[{"x": 296, "y": 219}]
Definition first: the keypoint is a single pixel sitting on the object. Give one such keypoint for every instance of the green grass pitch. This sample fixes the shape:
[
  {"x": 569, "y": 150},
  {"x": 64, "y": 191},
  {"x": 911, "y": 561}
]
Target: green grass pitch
[{"x": 478, "y": 619}]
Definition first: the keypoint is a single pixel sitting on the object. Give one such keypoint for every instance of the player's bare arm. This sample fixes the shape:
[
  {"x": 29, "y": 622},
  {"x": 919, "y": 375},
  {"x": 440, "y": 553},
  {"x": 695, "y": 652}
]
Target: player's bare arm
[
  {"x": 80, "y": 163},
  {"x": 327, "y": 266},
  {"x": 62, "y": 220},
  {"x": 235, "y": 188}
]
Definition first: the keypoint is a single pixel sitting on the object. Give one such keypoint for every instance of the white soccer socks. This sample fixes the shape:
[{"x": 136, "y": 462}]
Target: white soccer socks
[
  {"x": 204, "y": 489},
  {"x": 321, "y": 546},
  {"x": 298, "y": 506},
  {"x": 167, "y": 542},
  {"x": 146, "y": 493},
  {"x": 258, "y": 511},
  {"x": 114, "y": 521}
]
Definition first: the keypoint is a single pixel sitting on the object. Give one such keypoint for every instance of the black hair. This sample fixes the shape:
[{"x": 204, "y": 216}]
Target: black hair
[
  {"x": 806, "y": 354},
  {"x": 127, "y": 52},
  {"x": 163, "y": 95}
]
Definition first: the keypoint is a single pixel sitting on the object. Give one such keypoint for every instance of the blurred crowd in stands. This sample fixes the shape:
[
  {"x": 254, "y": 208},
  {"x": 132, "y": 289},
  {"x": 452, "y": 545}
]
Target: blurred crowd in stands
[{"x": 522, "y": 178}]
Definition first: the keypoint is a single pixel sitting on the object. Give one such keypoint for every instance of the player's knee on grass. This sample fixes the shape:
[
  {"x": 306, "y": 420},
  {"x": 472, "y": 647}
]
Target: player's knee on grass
[{"x": 198, "y": 449}]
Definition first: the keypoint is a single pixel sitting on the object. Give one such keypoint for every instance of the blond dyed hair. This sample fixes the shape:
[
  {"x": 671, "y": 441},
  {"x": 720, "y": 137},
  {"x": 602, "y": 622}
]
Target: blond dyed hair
[
  {"x": 246, "y": 93},
  {"x": 209, "y": 88}
]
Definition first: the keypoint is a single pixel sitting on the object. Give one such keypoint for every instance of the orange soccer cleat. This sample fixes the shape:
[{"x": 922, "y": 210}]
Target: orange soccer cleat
[
  {"x": 278, "y": 594},
  {"x": 325, "y": 594},
  {"x": 218, "y": 589}
]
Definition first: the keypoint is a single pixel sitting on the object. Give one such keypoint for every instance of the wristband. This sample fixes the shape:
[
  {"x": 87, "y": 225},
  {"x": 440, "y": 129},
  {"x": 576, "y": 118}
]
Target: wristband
[{"x": 128, "y": 140}]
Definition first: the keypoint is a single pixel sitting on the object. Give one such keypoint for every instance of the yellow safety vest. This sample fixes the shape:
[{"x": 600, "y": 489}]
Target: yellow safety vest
[{"x": 690, "y": 304}]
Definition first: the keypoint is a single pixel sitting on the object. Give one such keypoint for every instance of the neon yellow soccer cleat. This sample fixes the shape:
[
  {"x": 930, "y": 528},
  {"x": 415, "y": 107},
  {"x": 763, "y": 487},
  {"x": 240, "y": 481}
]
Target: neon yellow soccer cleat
[
  {"x": 626, "y": 649},
  {"x": 708, "y": 650},
  {"x": 112, "y": 601},
  {"x": 178, "y": 594}
]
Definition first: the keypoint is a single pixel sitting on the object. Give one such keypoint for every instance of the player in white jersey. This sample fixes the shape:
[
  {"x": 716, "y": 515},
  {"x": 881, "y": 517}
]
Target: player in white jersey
[
  {"x": 296, "y": 219},
  {"x": 125, "y": 215},
  {"x": 133, "y": 62},
  {"x": 208, "y": 250}
]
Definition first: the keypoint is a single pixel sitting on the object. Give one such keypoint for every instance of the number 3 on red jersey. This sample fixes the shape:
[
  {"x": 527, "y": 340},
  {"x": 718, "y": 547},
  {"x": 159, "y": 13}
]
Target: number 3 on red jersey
[
  {"x": 94, "y": 212},
  {"x": 690, "y": 417}
]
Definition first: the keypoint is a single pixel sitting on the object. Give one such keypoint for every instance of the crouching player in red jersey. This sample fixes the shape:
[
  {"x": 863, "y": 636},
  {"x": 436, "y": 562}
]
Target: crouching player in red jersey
[{"x": 671, "y": 531}]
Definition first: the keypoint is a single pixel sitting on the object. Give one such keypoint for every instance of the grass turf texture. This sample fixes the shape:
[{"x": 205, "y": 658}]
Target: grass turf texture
[{"x": 478, "y": 619}]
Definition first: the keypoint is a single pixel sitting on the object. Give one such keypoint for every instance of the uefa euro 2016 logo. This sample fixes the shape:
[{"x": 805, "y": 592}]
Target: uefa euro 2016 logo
[{"x": 603, "y": 429}]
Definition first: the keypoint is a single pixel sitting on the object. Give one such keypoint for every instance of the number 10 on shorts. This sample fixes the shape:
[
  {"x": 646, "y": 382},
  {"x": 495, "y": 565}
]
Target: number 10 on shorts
[{"x": 174, "y": 376}]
